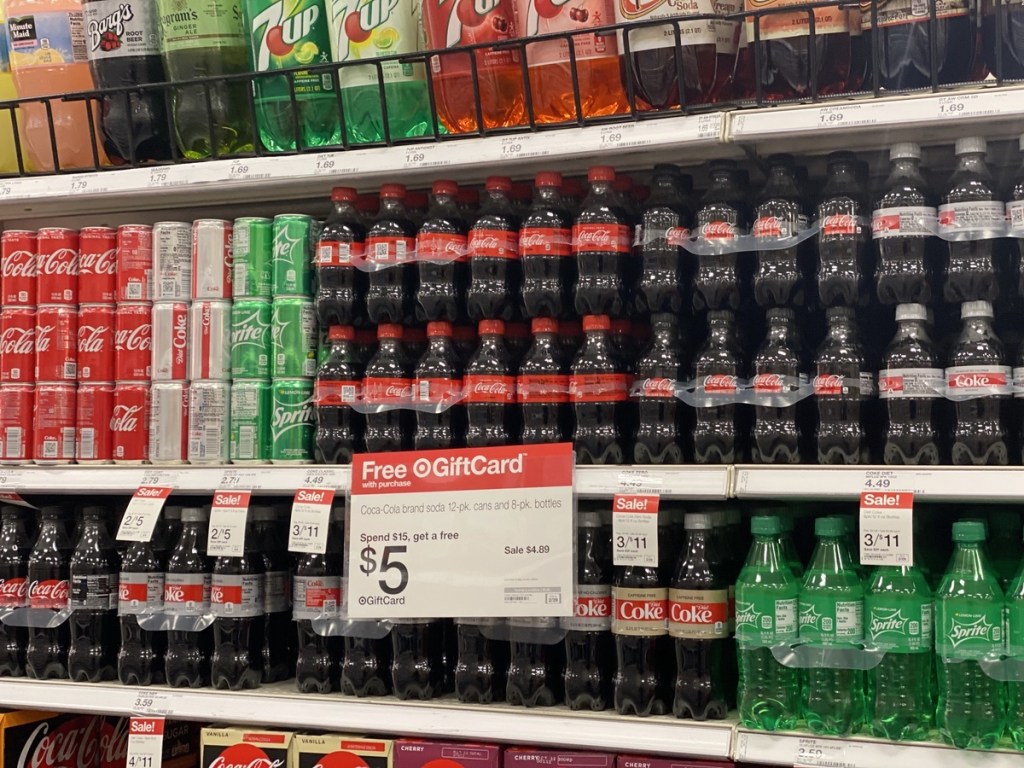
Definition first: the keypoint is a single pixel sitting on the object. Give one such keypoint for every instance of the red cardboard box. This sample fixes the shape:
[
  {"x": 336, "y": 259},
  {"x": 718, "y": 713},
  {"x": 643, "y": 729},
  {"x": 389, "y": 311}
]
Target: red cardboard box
[
  {"x": 411, "y": 753},
  {"x": 524, "y": 757}
]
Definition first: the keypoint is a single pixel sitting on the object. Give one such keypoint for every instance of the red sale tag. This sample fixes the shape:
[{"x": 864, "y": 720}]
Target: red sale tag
[
  {"x": 227, "y": 523},
  {"x": 887, "y": 528},
  {"x": 142, "y": 513},
  {"x": 635, "y": 529},
  {"x": 145, "y": 742},
  {"x": 311, "y": 517}
]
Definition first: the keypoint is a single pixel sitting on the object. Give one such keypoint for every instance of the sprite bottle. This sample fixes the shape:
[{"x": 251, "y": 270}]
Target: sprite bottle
[
  {"x": 286, "y": 34},
  {"x": 789, "y": 550},
  {"x": 768, "y": 695},
  {"x": 968, "y": 628},
  {"x": 1015, "y": 653}
]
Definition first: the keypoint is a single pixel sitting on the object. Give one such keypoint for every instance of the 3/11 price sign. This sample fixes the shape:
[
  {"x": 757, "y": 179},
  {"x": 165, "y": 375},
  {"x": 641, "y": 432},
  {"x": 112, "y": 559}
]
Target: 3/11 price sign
[
  {"x": 886, "y": 528},
  {"x": 475, "y": 532}
]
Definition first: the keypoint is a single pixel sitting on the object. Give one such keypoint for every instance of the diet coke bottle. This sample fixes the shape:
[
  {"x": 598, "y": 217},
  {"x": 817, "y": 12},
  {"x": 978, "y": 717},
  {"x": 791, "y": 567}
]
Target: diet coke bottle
[
  {"x": 140, "y": 660},
  {"x": 316, "y": 592},
  {"x": 187, "y": 603},
  {"x": 236, "y": 601}
]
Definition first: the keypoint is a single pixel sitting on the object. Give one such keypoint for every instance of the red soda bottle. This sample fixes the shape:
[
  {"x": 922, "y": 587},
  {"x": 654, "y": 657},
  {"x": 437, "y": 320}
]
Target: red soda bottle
[
  {"x": 390, "y": 244},
  {"x": 777, "y": 376},
  {"x": 341, "y": 286},
  {"x": 441, "y": 257},
  {"x": 490, "y": 389},
  {"x": 388, "y": 382},
  {"x": 495, "y": 274},
  {"x": 598, "y": 391},
  {"x": 843, "y": 387},
  {"x": 14, "y": 553},
  {"x": 46, "y": 655},
  {"x": 542, "y": 387},
  {"x": 438, "y": 383},
  {"x": 602, "y": 242},
  {"x": 92, "y": 654},
  {"x": 545, "y": 245},
  {"x": 660, "y": 415}
]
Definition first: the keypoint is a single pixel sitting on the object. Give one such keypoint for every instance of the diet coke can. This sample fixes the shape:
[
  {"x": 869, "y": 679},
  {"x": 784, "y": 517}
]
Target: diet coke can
[
  {"x": 209, "y": 426},
  {"x": 134, "y": 262},
  {"x": 211, "y": 259},
  {"x": 18, "y": 262},
  {"x": 56, "y": 344},
  {"x": 16, "y": 401},
  {"x": 57, "y": 266},
  {"x": 97, "y": 265},
  {"x": 94, "y": 442},
  {"x": 168, "y": 422},
  {"x": 129, "y": 423},
  {"x": 53, "y": 438},
  {"x": 17, "y": 345},
  {"x": 170, "y": 341},
  {"x": 133, "y": 342},
  {"x": 96, "y": 342},
  {"x": 172, "y": 261},
  {"x": 209, "y": 346}
]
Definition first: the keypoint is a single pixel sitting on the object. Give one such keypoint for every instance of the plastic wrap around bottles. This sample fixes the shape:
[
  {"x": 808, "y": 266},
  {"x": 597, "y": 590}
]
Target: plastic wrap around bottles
[
  {"x": 767, "y": 389},
  {"x": 1005, "y": 670},
  {"x": 729, "y": 239},
  {"x": 38, "y": 618},
  {"x": 812, "y": 656},
  {"x": 417, "y": 395},
  {"x": 156, "y": 620},
  {"x": 956, "y": 222}
]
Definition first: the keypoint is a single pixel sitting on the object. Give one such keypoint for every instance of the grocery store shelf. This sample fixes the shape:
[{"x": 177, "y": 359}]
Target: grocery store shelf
[{"x": 676, "y": 482}]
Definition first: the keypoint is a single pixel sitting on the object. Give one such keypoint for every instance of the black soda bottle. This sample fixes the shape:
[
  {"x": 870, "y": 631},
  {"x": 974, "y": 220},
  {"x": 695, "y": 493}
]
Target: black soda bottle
[
  {"x": 187, "y": 604},
  {"x": 92, "y": 654},
  {"x": 778, "y": 281},
  {"x": 388, "y": 383},
  {"x": 722, "y": 276},
  {"x": 843, "y": 389},
  {"x": 339, "y": 384},
  {"x": 665, "y": 271},
  {"x": 481, "y": 662},
  {"x": 340, "y": 250},
  {"x": 316, "y": 594},
  {"x": 390, "y": 247},
  {"x": 536, "y": 663},
  {"x": 46, "y": 655},
  {"x": 236, "y": 602},
  {"x": 417, "y": 665},
  {"x": 278, "y": 634},
  {"x": 598, "y": 391},
  {"x": 720, "y": 424},
  {"x": 490, "y": 391},
  {"x": 495, "y": 272},
  {"x": 661, "y": 423},
  {"x": 542, "y": 387},
  {"x": 545, "y": 245},
  {"x": 14, "y": 552},
  {"x": 778, "y": 378},
  {"x": 601, "y": 244},
  {"x": 843, "y": 269},
  {"x": 441, "y": 257},
  {"x": 140, "y": 660},
  {"x": 437, "y": 389}
]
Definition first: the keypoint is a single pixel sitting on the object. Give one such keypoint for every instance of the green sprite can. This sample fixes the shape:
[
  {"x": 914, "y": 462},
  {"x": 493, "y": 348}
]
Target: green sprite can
[
  {"x": 295, "y": 238},
  {"x": 250, "y": 339},
  {"x": 293, "y": 333},
  {"x": 291, "y": 421},
  {"x": 251, "y": 246},
  {"x": 250, "y": 422}
]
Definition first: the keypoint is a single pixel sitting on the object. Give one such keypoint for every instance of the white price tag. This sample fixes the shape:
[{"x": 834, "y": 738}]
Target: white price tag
[
  {"x": 472, "y": 533},
  {"x": 239, "y": 478},
  {"x": 635, "y": 529},
  {"x": 145, "y": 742},
  {"x": 886, "y": 528},
  {"x": 227, "y": 524},
  {"x": 826, "y": 753},
  {"x": 142, "y": 513},
  {"x": 427, "y": 156},
  {"x": 311, "y": 516},
  {"x": 150, "y": 702},
  {"x": 879, "y": 479}
]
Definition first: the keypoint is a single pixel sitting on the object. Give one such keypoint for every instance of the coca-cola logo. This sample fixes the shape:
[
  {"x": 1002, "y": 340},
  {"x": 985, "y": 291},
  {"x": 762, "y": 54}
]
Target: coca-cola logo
[
  {"x": 533, "y": 240},
  {"x": 828, "y": 384},
  {"x": 72, "y": 744},
  {"x": 174, "y": 593},
  {"x": 49, "y": 593},
  {"x": 593, "y": 607},
  {"x": 658, "y": 388},
  {"x": 596, "y": 237},
  {"x": 691, "y": 613},
  {"x": 90, "y": 338},
  {"x": 720, "y": 382},
  {"x": 490, "y": 388},
  {"x": 125, "y": 418},
  {"x": 718, "y": 230},
  {"x": 97, "y": 262},
  {"x": 245, "y": 756},
  {"x": 768, "y": 226},
  {"x": 640, "y": 610},
  {"x": 486, "y": 242},
  {"x": 137, "y": 339},
  {"x": 768, "y": 382},
  {"x": 114, "y": 743},
  {"x": 62, "y": 261},
  {"x": 179, "y": 339},
  {"x": 839, "y": 224},
  {"x": 18, "y": 264},
  {"x": 13, "y": 591},
  {"x": 43, "y": 335},
  {"x": 974, "y": 380},
  {"x": 18, "y": 341}
]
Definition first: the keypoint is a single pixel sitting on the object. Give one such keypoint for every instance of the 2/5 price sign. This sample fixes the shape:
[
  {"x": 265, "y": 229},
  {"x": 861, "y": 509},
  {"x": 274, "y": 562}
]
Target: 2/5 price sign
[{"x": 475, "y": 532}]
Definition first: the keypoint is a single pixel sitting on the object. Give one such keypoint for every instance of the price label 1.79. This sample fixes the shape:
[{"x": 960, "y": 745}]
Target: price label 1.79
[
  {"x": 311, "y": 517},
  {"x": 635, "y": 529},
  {"x": 145, "y": 742},
  {"x": 142, "y": 513},
  {"x": 227, "y": 524},
  {"x": 886, "y": 528}
]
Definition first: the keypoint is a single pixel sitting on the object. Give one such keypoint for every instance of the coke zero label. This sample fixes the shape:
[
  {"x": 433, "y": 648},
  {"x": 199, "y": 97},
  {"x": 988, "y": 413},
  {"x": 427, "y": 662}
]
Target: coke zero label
[
  {"x": 50, "y": 593},
  {"x": 910, "y": 382},
  {"x": 701, "y": 614},
  {"x": 604, "y": 238},
  {"x": 545, "y": 241},
  {"x": 639, "y": 612},
  {"x": 493, "y": 244},
  {"x": 598, "y": 387},
  {"x": 138, "y": 593},
  {"x": 592, "y": 611},
  {"x": 315, "y": 596},
  {"x": 237, "y": 596},
  {"x": 487, "y": 388},
  {"x": 187, "y": 594}
]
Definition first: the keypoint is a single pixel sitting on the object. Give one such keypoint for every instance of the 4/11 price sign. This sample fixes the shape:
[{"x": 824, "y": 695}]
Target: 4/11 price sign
[{"x": 475, "y": 532}]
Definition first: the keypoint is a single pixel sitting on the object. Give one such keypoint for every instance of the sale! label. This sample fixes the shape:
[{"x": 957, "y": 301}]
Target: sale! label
[
  {"x": 145, "y": 742},
  {"x": 635, "y": 529},
  {"x": 311, "y": 516},
  {"x": 142, "y": 513},
  {"x": 227, "y": 524},
  {"x": 886, "y": 528}
]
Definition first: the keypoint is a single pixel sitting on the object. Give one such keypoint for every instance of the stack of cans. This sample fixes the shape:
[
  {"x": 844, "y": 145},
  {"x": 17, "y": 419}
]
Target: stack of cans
[{"x": 17, "y": 344}]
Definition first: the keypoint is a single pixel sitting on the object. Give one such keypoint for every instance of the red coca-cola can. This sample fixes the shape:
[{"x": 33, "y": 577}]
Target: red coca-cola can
[
  {"x": 18, "y": 345},
  {"x": 18, "y": 264},
  {"x": 56, "y": 344},
  {"x": 133, "y": 342},
  {"x": 16, "y": 404},
  {"x": 170, "y": 341},
  {"x": 53, "y": 438},
  {"x": 96, "y": 342},
  {"x": 93, "y": 413},
  {"x": 168, "y": 422},
  {"x": 57, "y": 266},
  {"x": 129, "y": 423},
  {"x": 97, "y": 265},
  {"x": 134, "y": 262}
]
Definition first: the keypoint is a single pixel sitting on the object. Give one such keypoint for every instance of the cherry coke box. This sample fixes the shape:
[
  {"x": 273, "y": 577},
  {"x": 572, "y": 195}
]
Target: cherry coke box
[
  {"x": 411, "y": 753},
  {"x": 523, "y": 757},
  {"x": 49, "y": 740},
  {"x": 644, "y": 761},
  {"x": 180, "y": 743},
  {"x": 231, "y": 747},
  {"x": 341, "y": 751}
]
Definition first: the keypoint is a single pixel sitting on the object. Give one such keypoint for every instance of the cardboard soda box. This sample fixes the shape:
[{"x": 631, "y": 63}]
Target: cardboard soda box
[
  {"x": 31, "y": 739},
  {"x": 244, "y": 747},
  {"x": 180, "y": 744},
  {"x": 525, "y": 757},
  {"x": 335, "y": 750},
  {"x": 645, "y": 761},
  {"x": 414, "y": 753}
]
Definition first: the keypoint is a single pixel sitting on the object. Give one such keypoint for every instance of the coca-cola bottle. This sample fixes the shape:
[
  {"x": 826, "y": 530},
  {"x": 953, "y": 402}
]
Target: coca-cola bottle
[
  {"x": 390, "y": 247},
  {"x": 902, "y": 225},
  {"x": 388, "y": 383},
  {"x": 49, "y": 566},
  {"x": 843, "y": 386},
  {"x": 589, "y": 649},
  {"x": 665, "y": 271},
  {"x": 660, "y": 416},
  {"x": 14, "y": 553},
  {"x": 316, "y": 594},
  {"x": 722, "y": 276},
  {"x": 187, "y": 604},
  {"x": 236, "y": 602},
  {"x": 978, "y": 381},
  {"x": 465, "y": 342},
  {"x": 490, "y": 391},
  {"x": 601, "y": 244},
  {"x": 545, "y": 246},
  {"x": 910, "y": 384},
  {"x": 597, "y": 392},
  {"x": 438, "y": 384},
  {"x": 536, "y": 663},
  {"x": 779, "y": 281},
  {"x": 278, "y": 635},
  {"x": 778, "y": 379},
  {"x": 843, "y": 269},
  {"x": 341, "y": 285},
  {"x": 417, "y": 665},
  {"x": 495, "y": 274},
  {"x": 441, "y": 257},
  {"x": 542, "y": 387},
  {"x": 720, "y": 423},
  {"x": 481, "y": 662},
  {"x": 339, "y": 384},
  {"x": 140, "y": 660},
  {"x": 92, "y": 654}
]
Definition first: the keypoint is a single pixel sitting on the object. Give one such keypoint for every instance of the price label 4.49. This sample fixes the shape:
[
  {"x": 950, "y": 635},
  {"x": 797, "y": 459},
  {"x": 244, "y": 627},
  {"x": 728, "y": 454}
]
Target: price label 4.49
[
  {"x": 227, "y": 524},
  {"x": 311, "y": 516},
  {"x": 886, "y": 528},
  {"x": 142, "y": 513}
]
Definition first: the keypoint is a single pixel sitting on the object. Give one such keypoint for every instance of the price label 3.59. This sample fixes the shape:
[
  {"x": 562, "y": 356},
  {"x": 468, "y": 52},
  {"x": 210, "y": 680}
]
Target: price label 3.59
[
  {"x": 145, "y": 742},
  {"x": 311, "y": 515},
  {"x": 886, "y": 528},
  {"x": 635, "y": 529},
  {"x": 227, "y": 524},
  {"x": 142, "y": 513}
]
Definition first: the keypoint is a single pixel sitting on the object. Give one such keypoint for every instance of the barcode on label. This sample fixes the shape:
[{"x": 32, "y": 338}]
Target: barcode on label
[
  {"x": 67, "y": 436},
  {"x": 14, "y": 449},
  {"x": 246, "y": 442},
  {"x": 424, "y": 390},
  {"x": 380, "y": 250},
  {"x": 70, "y": 371},
  {"x": 212, "y": 442},
  {"x": 87, "y": 443},
  {"x": 348, "y": 393},
  {"x": 135, "y": 291},
  {"x": 169, "y": 288},
  {"x": 49, "y": 448},
  {"x": 241, "y": 272}
]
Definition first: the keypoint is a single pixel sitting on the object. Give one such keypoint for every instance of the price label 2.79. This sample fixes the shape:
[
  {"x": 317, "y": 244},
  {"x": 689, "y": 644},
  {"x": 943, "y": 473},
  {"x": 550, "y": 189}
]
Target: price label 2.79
[
  {"x": 311, "y": 517},
  {"x": 145, "y": 742},
  {"x": 227, "y": 524},
  {"x": 142, "y": 513}
]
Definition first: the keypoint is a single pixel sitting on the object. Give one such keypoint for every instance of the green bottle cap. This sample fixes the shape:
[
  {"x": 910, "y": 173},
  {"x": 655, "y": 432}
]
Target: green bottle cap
[
  {"x": 765, "y": 525},
  {"x": 969, "y": 531},
  {"x": 829, "y": 526}
]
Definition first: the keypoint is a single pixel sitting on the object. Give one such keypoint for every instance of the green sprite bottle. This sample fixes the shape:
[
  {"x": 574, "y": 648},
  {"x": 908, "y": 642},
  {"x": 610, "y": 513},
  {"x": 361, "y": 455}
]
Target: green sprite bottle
[
  {"x": 789, "y": 550},
  {"x": 1015, "y": 652}
]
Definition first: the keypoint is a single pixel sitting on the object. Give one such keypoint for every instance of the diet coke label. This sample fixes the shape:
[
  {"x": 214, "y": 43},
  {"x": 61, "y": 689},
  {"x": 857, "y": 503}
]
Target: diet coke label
[
  {"x": 592, "y": 609},
  {"x": 187, "y": 594},
  {"x": 140, "y": 593},
  {"x": 924, "y": 383},
  {"x": 237, "y": 596},
  {"x": 701, "y": 614},
  {"x": 640, "y": 612},
  {"x": 972, "y": 220},
  {"x": 904, "y": 221},
  {"x": 966, "y": 382},
  {"x": 315, "y": 596}
]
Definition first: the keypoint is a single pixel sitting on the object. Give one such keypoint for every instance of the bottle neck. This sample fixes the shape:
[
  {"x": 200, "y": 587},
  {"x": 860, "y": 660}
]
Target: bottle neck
[
  {"x": 780, "y": 330},
  {"x": 968, "y": 561},
  {"x": 547, "y": 198},
  {"x": 391, "y": 205},
  {"x": 907, "y": 167},
  {"x": 830, "y": 555},
  {"x": 766, "y": 552},
  {"x": 973, "y": 162}
]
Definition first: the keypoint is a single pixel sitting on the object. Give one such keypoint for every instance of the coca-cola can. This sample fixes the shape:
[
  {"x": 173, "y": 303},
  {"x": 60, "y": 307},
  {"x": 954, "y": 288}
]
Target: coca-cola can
[
  {"x": 209, "y": 340},
  {"x": 209, "y": 425},
  {"x": 18, "y": 345},
  {"x": 211, "y": 259},
  {"x": 53, "y": 428},
  {"x": 18, "y": 263},
  {"x": 96, "y": 342},
  {"x": 56, "y": 344},
  {"x": 170, "y": 341},
  {"x": 168, "y": 422},
  {"x": 97, "y": 265},
  {"x": 129, "y": 423},
  {"x": 16, "y": 406},
  {"x": 133, "y": 341},
  {"x": 57, "y": 266},
  {"x": 134, "y": 262},
  {"x": 172, "y": 261},
  {"x": 94, "y": 442}
]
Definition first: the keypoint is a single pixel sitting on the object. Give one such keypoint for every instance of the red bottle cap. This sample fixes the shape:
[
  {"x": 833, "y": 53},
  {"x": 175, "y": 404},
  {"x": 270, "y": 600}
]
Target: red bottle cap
[
  {"x": 341, "y": 333},
  {"x": 389, "y": 331},
  {"x": 492, "y": 326},
  {"x": 439, "y": 328},
  {"x": 601, "y": 173},
  {"x": 392, "y": 190},
  {"x": 548, "y": 179},
  {"x": 498, "y": 184},
  {"x": 343, "y": 195},
  {"x": 596, "y": 323},
  {"x": 449, "y": 188},
  {"x": 544, "y": 325}
]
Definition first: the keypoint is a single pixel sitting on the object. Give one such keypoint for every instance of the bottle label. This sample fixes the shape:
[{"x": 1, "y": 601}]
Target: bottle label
[
  {"x": 903, "y": 626},
  {"x": 598, "y": 387},
  {"x": 973, "y": 220},
  {"x": 824, "y": 620},
  {"x": 762, "y": 620},
  {"x": 966, "y": 382},
  {"x": 1015, "y": 218},
  {"x": 968, "y": 631},
  {"x": 238, "y": 596},
  {"x": 485, "y": 388},
  {"x": 923, "y": 383},
  {"x": 655, "y": 388},
  {"x": 200, "y": 24},
  {"x": 592, "y": 610},
  {"x": 698, "y": 614},
  {"x": 493, "y": 244},
  {"x": 676, "y": 237},
  {"x": 775, "y": 227},
  {"x": 839, "y": 225},
  {"x": 315, "y": 596},
  {"x": 893, "y": 12},
  {"x": 13, "y": 592},
  {"x": 390, "y": 250},
  {"x": 334, "y": 254},
  {"x": 187, "y": 594},
  {"x": 549, "y": 16},
  {"x": 1015, "y": 627},
  {"x": 727, "y": 31},
  {"x": 544, "y": 241},
  {"x": 49, "y": 593},
  {"x": 437, "y": 391},
  {"x": 139, "y": 593},
  {"x": 837, "y": 385},
  {"x": 693, "y": 32},
  {"x": 450, "y": 23},
  {"x": 286, "y": 36},
  {"x": 905, "y": 221},
  {"x": 114, "y": 28},
  {"x": 369, "y": 29},
  {"x": 327, "y": 393},
  {"x": 277, "y": 596},
  {"x": 828, "y": 20},
  {"x": 378, "y": 391},
  {"x": 547, "y": 388},
  {"x": 46, "y": 39},
  {"x": 717, "y": 230},
  {"x": 96, "y": 591},
  {"x": 639, "y": 612},
  {"x": 440, "y": 247},
  {"x": 1018, "y": 382},
  {"x": 719, "y": 384},
  {"x": 601, "y": 238}
]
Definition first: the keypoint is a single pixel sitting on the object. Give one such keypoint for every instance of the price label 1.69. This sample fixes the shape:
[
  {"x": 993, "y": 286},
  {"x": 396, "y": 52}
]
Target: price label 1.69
[
  {"x": 142, "y": 513},
  {"x": 227, "y": 523},
  {"x": 311, "y": 517}
]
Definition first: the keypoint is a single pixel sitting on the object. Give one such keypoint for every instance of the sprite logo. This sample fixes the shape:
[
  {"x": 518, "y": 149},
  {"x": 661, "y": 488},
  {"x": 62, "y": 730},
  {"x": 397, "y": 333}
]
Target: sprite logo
[
  {"x": 747, "y": 615},
  {"x": 963, "y": 631},
  {"x": 888, "y": 622},
  {"x": 248, "y": 330},
  {"x": 285, "y": 244},
  {"x": 288, "y": 416},
  {"x": 284, "y": 36},
  {"x": 809, "y": 616}
]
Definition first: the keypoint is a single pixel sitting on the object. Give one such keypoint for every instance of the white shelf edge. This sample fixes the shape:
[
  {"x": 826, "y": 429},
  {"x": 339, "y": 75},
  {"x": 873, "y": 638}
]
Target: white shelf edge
[{"x": 672, "y": 482}]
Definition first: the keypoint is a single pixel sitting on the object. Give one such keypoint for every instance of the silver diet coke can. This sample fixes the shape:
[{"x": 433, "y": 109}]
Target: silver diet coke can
[
  {"x": 168, "y": 422},
  {"x": 170, "y": 341},
  {"x": 172, "y": 261},
  {"x": 209, "y": 422},
  {"x": 209, "y": 340}
]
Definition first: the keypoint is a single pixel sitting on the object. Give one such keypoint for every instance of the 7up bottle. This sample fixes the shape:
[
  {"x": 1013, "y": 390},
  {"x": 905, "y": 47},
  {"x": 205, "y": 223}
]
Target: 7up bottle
[
  {"x": 291, "y": 421},
  {"x": 968, "y": 628},
  {"x": 768, "y": 696}
]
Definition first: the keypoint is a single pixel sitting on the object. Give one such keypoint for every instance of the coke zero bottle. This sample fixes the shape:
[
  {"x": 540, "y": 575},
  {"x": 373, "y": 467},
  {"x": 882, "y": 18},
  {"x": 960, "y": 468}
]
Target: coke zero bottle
[
  {"x": 341, "y": 285},
  {"x": 536, "y": 663},
  {"x": 597, "y": 392},
  {"x": 601, "y": 244},
  {"x": 842, "y": 388},
  {"x": 779, "y": 281},
  {"x": 316, "y": 594},
  {"x": 660, "y": 415},
  {"x": 542, "y": 387},
  {"x": 495, "y": 274},
  {"x": 388, "y": 383},
  {"x": 481, "y": 662},
  {"x": 278, "y": 635},
  {"x": 720, "y": 428},
  {"x": 236, "y": 601},
  {"x": 438, "y": 384},
  {"x": 417, "y": 665},
  {"x": 14, "y": 553},
  {"x": 140, "y": 660},
  {"x": 49, "y": 564},
  {"x": 92, "y": 655},
  {"x": 843, "y": 271},
  {"x": 722, "y": 274},
  {"x": 778, "y": 379},
  {"x": 490, "y": 391},
  {"x": 390, "y": 246},
  {"x": 545, "y": 245},
  {"x": 339, "y": 384},
  {"x": 187, "y": 604},
  {"x": 441, "y": 257},
  {"x": 665, "y": 272}
]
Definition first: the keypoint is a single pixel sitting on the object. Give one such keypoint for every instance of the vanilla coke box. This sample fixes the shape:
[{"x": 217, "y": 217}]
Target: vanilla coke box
[
  {"x": 645, "y": 761},
  {"x": 524, "y": 757},
  {"x": 414, "y": 753},
  {"x": 336, "y": 750},
  {"x": 244, "y": 748},
  {"x": 32, "y": 739}
]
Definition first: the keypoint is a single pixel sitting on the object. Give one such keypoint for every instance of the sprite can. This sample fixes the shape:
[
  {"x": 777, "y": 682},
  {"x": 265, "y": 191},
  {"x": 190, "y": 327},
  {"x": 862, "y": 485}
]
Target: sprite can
[
  {"x": 250, "y": 422},
  {"x": 291, "y": 421},
  {"x": 293, "y": 338},
  {"x": 295, "y": 237},
  {"x": 250, "y": 339},
  {"x": 251, "y": 247}
]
